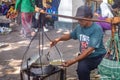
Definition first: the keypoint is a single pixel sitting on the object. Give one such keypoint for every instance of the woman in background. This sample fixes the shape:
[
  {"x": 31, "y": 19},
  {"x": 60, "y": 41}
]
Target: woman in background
[
  {"x": 105, "y": 11},
  {"x": 26, "y": 7}
]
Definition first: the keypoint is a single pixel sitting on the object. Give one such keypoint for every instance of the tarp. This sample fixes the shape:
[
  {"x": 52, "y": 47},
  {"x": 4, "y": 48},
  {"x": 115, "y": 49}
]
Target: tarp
[
  {"x": 111, "y": 46},
  {"x": 109, "y": 69}
]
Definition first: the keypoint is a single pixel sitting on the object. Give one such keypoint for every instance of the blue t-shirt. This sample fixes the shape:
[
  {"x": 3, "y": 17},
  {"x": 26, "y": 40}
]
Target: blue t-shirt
[
  {"x": 91, "y": 36},
  {"x": 52, "y": 11}
]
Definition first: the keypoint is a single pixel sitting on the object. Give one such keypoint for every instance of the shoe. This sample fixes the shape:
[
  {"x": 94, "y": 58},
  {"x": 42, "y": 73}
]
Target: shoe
[
  {"x": 45, "y": 29},
  {"x": 36, "y": 30}
]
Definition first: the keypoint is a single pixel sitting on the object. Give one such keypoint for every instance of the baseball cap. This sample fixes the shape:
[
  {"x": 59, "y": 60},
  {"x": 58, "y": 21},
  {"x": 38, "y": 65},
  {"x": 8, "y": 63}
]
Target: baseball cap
[{"x": 84, "y": 11}]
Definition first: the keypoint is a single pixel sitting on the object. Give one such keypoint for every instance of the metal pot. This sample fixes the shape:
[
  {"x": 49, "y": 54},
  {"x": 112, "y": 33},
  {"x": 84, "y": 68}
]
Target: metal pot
[{"x": 38, "y": 69}]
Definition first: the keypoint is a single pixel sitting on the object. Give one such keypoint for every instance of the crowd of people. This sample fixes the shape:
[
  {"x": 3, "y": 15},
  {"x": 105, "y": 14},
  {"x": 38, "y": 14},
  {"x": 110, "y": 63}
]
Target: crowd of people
[
  {"x": 5, "y": 8},
  {"x": 107, "y": 10},
  {"x": 29, "y": 15}
]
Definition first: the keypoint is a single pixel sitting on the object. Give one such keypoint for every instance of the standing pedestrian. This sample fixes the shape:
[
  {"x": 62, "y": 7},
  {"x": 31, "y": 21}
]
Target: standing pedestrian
[
  {"x": 27, "y": 8},
  {"x": 106, "y": 9},
  {"x": 104, "y": 12},
  {"x": 90, "y": 37},
  {"x": 40, "y": 18}
]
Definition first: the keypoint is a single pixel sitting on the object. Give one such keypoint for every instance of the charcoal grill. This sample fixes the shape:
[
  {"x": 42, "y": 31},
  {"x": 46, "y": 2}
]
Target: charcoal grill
[{"x": 44, "y": 72}]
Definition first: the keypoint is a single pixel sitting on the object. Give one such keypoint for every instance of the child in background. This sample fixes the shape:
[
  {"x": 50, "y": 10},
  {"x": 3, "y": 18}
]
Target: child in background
[
  {"x": 49, "y": 18},
  {"x": 11, "y": 13},
  {"x": 4, "y": 8}
]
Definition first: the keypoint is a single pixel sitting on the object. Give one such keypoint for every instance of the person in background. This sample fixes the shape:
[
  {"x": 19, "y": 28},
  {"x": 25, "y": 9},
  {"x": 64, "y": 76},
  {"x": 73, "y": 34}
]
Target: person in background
[
  {"x": 117, "y": 2},
  {"x": 0, "y": 9},
  {"x": 49, "y": 20},
  {"x": 105, "y": 26},
  {"x": 40, "y": 18},
  {"x": 116, "y": 7},
  {"x": 104, "y": 11},
  {"x": 90, "y": 37},
  {"x": 11, "y": 12},
  {"x": 27, "y": 8},
  {"x": 4, "y": 7}
]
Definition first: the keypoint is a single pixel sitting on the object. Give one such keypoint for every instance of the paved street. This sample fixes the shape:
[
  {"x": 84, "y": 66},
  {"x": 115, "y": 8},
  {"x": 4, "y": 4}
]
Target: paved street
[{"x": 11, "y": 54}]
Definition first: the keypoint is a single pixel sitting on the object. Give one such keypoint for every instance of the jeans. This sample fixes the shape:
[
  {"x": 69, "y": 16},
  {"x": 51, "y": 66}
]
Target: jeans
[{"x": 86, "y": 65}]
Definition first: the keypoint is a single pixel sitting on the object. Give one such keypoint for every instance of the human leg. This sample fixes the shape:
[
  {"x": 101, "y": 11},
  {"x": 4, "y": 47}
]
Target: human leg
[
  {"x": 86, "y": 65},
  {"x": 83, "y": 71},
  {"x": 26, "y": 24}
]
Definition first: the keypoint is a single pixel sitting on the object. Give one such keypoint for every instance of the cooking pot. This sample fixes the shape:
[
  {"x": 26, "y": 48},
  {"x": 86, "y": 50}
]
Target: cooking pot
[{"x": 37, "y": 69}]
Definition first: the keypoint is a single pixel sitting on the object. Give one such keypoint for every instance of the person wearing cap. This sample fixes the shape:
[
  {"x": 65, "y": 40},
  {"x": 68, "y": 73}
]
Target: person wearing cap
[{"x": 90, "y": 37}]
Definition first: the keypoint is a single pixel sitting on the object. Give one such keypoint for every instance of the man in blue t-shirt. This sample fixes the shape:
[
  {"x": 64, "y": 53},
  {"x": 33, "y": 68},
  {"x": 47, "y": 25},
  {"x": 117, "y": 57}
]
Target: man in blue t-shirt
[{"x": 90, "y": 36}]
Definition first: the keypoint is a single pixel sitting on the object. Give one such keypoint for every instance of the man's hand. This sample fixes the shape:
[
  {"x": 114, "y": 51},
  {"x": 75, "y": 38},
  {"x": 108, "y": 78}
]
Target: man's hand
[
  {"x": 48, "y": 16},
  {"x": 53, "y": 43},
  {"x": 37, "y": 9},
  {"x": 68, "y": 63},
  {"x": 64, "y": 37}
]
